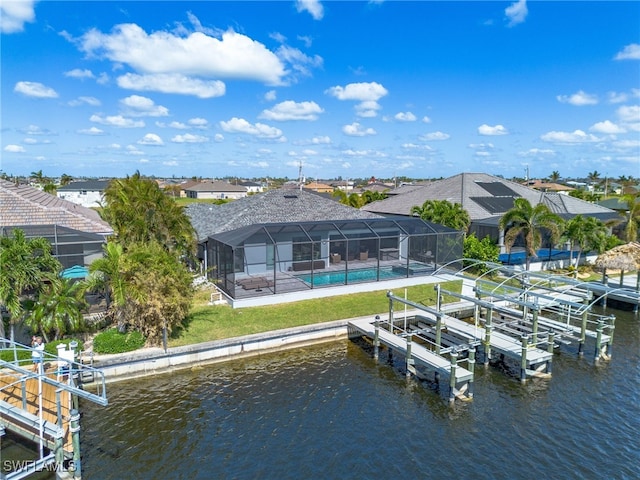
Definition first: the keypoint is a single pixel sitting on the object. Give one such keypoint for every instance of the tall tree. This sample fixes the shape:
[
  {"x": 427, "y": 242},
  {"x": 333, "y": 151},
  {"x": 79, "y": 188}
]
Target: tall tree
[
  {"x": 632, "y": 216},
  {"x": 586, "y": 233},
  {"x": 528, "y": 221},
  {"x": 65, "y": 179},
  {"x": 138, "y": 211},
  {"x": 555, "y": 176},
  {"x": 443, "y": 212},
  {"x": 58, "y": 309},
  {"x": 24, "y": 263}
]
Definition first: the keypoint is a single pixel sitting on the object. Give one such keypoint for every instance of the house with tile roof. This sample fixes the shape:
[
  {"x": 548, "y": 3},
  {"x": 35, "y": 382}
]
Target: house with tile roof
[
  {"x": 486, "y": 198},
  {"x": 87, "y": 193},
  {"x": 284, "y": 241},
  {"x": 76, "y": 233}
]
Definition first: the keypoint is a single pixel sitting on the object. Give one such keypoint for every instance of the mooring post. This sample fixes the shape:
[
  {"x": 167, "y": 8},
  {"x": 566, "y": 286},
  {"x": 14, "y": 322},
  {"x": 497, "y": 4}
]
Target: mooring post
[
  {"x": 612, "y": 327},
  {"x": 390, "y": 311},
  {"x": 472, "y": 367},
  {"x": 376, "y": 338},
  {"x": 438, "y": 298},
  {"x": 550, "y": 340},
  {"x": 534, "y": 327},
  {"x": 75, "y": 440},
  {"x": 409, "y": 359},
  {"x": 59, "y": 451},
  {"x": 438, "y": 332},
  {"x": 523, "y": 361},
  {"x": 583, "y": 333},
  {"x": 452, "y": 377},
  {"x": 487, "y": 338},
  {"x": 599, "y": 339}
]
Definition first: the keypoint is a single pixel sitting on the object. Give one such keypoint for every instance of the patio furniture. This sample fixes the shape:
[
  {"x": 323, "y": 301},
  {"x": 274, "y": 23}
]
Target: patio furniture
[{"x": 335, "y": 258}]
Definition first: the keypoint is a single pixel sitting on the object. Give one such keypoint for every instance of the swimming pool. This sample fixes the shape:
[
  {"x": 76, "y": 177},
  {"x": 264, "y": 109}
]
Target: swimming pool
[
  {"x": 544, "y": 254},
  {"x": 338, "y": 278}
]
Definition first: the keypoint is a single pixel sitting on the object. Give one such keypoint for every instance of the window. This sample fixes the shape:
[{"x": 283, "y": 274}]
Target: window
[{"x": 303, "y": 249}]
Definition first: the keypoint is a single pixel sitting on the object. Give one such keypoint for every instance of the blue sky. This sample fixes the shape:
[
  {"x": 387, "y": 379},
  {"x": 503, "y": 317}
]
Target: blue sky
[{"x": 423, "y": 89}]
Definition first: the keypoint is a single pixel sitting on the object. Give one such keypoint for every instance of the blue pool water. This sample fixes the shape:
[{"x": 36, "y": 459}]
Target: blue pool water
[
  {"x": 518, "y": 258},
  {"x": 338, "y": 278}
]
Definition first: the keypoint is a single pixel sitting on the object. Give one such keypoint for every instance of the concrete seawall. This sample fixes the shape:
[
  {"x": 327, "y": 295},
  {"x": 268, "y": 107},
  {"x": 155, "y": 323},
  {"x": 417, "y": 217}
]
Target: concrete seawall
[{"x": 154, "y": 360}]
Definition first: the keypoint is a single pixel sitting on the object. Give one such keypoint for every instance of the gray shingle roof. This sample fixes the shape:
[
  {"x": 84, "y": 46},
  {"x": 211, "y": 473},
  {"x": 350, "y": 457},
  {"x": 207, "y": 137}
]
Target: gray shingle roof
[
  {"x": 275, "y": 206},
  {"x": 25, "y": 205},
  {"x": 484, "y": 196},
  {"x": 90, "y": 185}
]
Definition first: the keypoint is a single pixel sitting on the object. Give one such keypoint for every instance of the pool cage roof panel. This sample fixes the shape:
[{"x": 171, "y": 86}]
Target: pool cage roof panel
[
  {"x": 378, "y": 227},
  {"x": 55, "y": 234}
]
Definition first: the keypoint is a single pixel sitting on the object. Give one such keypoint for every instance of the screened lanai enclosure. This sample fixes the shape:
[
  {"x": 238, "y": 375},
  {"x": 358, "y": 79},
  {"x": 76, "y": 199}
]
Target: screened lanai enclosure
[{"x": 279, "y": 258}]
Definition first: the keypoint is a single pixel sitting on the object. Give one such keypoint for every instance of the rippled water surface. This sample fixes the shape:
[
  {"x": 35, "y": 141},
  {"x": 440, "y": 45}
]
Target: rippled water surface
[{"x": 330, "y": 411}]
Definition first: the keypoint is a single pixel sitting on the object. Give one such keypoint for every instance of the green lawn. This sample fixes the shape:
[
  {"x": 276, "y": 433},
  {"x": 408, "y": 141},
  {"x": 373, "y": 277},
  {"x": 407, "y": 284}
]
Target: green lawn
[{"x": 217, "y": 322}]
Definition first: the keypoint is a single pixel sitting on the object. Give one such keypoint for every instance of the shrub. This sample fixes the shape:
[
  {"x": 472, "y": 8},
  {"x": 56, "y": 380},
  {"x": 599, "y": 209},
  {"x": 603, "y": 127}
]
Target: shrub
[
  {"x": 112, "y": 341},
  {"x": 52, "y": 347}
]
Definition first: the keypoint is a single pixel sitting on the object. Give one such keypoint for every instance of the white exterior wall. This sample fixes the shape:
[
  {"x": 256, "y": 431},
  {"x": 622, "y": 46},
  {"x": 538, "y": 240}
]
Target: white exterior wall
[{"x": 86, "y": 198}]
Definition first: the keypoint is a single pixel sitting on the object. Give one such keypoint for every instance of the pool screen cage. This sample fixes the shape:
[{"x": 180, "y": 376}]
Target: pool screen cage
[{"x": 285, "y": 257}]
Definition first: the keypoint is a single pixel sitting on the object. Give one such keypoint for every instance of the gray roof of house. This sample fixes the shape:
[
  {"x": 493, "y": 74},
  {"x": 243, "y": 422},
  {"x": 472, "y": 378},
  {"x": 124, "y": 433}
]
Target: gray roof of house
[
  {"x": 89, "y": 185},
  {"x": 484, "y": 197},
  {"x": 274, "y": 206},
  {"x": 25, "y": 205}
]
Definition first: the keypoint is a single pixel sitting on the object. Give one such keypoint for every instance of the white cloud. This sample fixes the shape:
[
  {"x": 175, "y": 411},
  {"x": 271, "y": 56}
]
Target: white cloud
[
  {"x": 14, "y": 149},
  {"x": 405, "y": 117},
  {"x": 617, "y": 97},
  {"x": 630, "y": 52},
  {"x": 325, "y": 140},
  {"x": 35, "y": 89},
  {"x": 627, "y": 143},
  {"x": 92, "y": 101},
  {"x": 537, "y": 152},
  {"x": 172, "y": 83},
  {"x": 301, "y": 64},
  {"x": 516, "y": 12},
  {"x": 414, "y": 146},
  {"x": 218, "y": 137},
  {"x": 137, "y": 106},
  {"x": 78, "y": 73},
  {"x": 198, "y": 122},
  {"x": 189, "y": 138},
  {"x": 170, "y": 163},
  {"x": 35, "y": 130},
  {"x": 270, "y": 96},
  {"x": 434, "y": 136},
  {"x": 366, "y": 93},
  {"x": 231, "y": 55},
  {"x": 607, "y": 127},
  {"x": 364, "y": 153},
  {"x": 174, "y": 124},
  {"x": 426, "y": 119},
  {"x": 578, "y": 99},
  {"x": 13, "y": 15},
  {"x": 116, "y": 121},
  {"x": 133, "y": 150},
  {"x": 314, "y": 7},
  {"x": 151, "y": 139},
  {"x": 240, "y": 125},
  {"x": 629, "y": 113},
  {"x": 492, "y": 131},
  {"x": 91, "y": 131},
  {"x": 578, "y": 136},
  {"x": 357, "y": 130},
  {"x": 291, "y": 110}
]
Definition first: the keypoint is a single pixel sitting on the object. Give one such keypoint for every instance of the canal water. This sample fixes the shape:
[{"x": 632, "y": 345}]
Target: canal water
[{"x": 329, "y": 411}]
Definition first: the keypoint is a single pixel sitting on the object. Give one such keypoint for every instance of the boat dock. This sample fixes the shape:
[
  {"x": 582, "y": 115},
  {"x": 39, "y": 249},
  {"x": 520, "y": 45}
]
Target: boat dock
[{"x": 40, "y": 403}]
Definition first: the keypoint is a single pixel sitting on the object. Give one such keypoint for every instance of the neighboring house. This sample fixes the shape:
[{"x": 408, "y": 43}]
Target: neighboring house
[
  {"x": 376, "y": 187},
  {"x": 253, "y": 187},
  {"x": 318, "y": 187},
  {"x": 76, "y": 233},
  {"x": 486, "y": 198},
  {"x": 215, "y": 190},
  {"x": 548, "y": 186},
  {"x": 86, "y": 193},
  {"x": 285, "y": 241}
]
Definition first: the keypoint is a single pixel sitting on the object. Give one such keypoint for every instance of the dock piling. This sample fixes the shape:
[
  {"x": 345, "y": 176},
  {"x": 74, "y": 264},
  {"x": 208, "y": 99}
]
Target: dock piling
[
  {"x": 550, "y": 340},
  {"x": 598, "y": 353},
  {"x": 523, "y": 361},
  {"x": 472, "y": 367},
  {"x": 376, "y": 338},
  {"x": 75, "y": 440},
  {"x": 452, "y": 377}
]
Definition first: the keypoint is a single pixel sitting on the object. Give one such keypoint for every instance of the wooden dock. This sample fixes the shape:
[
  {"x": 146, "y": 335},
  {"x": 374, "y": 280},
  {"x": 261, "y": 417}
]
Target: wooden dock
[
  {"x": 42, "y": 406},
  {"x": 460, "y": 378}
]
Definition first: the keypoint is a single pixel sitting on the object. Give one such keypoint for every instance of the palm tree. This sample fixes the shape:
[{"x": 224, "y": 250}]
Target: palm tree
[
  {"x": 138, "y": 211},
  {"x": 528, "y": 221},
  {"x": 443, "y": 212},
  {"x": 555, "y": 176},
  {"x": 25, "y": 264},
  {"x": 109, "y": 274},
  {"x": 65, "y": 179},
  {"x": 585, "y": 232},
  {"x": 632, "y": 216},
  {"x": 58, "y": 309}
]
